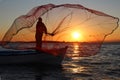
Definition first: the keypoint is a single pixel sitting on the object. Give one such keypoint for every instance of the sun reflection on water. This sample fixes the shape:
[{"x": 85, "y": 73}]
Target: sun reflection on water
[
  {"x": 73, "y": 66},
  {"x": 76, "y": 51},
  {"x": 76, "y": 48},
  {"x": 78, "y": 69}
]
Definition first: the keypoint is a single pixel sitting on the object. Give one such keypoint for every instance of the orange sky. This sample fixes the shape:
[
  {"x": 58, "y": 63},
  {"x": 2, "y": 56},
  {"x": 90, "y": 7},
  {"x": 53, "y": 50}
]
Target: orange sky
[
  {"x": 11, "y": 9},
  {"x": 85, "y": 34}
]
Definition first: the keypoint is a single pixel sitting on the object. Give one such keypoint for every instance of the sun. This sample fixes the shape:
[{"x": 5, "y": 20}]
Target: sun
[{"x": 76, "y": 36}]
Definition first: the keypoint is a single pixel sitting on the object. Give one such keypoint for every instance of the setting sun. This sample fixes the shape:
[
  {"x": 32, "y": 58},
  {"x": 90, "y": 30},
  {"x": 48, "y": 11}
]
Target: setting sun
[{"x": 76, "y": 36}]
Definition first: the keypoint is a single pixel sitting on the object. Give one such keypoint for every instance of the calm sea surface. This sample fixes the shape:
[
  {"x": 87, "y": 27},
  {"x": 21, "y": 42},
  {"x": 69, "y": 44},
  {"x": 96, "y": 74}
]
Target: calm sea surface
[{"x": 103, "y": 66}]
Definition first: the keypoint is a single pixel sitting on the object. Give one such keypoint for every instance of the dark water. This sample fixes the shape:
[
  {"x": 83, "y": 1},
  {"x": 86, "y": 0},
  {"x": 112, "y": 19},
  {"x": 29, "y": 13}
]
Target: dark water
[{"x": 103, "y": 66}]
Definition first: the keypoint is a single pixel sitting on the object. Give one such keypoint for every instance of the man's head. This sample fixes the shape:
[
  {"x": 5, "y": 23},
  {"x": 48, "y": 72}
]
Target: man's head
[{"x": 40, "y": 19}]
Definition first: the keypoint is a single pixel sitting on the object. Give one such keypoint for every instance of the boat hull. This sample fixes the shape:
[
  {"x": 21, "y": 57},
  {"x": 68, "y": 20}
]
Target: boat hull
[{"x": 28, "y": 58}]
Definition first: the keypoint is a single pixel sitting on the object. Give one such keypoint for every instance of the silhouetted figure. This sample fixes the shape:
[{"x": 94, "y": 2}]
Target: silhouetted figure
[{"x": 40, "y": 29}]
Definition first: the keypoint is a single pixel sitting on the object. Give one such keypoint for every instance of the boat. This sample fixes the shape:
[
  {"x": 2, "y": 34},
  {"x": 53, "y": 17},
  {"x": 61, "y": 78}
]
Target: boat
[{"x": 33, "y": 57}]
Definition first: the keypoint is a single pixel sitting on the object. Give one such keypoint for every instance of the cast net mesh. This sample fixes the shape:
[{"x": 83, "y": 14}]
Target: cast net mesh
[{"x": 61, "y": 21}]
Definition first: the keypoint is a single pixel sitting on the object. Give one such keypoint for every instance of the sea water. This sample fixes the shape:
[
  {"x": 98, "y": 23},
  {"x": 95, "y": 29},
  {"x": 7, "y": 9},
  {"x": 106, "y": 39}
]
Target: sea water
[{"x": 103, "y": 66}]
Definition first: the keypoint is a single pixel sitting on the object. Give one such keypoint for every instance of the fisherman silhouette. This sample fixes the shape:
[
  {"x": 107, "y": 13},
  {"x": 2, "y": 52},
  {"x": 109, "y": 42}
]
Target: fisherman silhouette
[{"x": 40, "y": 29}]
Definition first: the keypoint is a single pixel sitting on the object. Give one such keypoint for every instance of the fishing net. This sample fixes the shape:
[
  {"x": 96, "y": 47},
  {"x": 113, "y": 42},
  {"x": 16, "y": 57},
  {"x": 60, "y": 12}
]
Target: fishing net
[{"x": 61, "y": 21}]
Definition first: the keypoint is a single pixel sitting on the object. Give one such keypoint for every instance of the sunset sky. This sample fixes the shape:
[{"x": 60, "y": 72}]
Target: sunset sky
[{"x": 11, "y": 9}]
